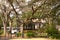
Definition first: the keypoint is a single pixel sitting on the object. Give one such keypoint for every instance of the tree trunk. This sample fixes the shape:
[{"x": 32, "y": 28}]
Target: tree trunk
[
  {"x": 10, "y": 25},
  {"x": 4, "y": 24},
  {"x": 21, "y": 30}
]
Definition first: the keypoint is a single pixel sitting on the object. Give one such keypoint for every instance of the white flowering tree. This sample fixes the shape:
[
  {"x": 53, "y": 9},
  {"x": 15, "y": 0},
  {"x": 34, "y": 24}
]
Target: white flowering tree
[{"x": 42, "y": 9}]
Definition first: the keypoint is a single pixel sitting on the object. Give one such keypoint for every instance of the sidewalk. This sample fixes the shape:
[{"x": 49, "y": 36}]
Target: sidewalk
[{"x": 34, "y": 39}]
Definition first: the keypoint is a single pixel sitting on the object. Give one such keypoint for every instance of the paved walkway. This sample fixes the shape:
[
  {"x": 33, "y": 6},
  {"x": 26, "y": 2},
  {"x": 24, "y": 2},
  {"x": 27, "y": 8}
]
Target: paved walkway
[
  {"x": 35, "y": 39},
  {"x": 4, "y": 38}
]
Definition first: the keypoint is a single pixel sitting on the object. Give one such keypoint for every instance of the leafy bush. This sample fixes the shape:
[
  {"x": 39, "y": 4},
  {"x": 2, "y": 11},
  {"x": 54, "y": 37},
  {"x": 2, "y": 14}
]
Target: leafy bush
[
  {"x": 30, "y": 34},
  {"x": 42, "y": 35},
  {"x": 18, "y": 34},
  {"x": 55, "y": 35},
  {"x": 1, "y": 32},
  {"x": 52, "y": 32}
]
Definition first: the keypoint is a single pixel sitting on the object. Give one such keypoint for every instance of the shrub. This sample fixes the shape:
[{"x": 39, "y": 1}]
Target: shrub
[
  {"x": 52, "y": 32},
  {"x": 42, "y": 35},
  {"x": 18, "y": 34},
  {"x": 55, "y": 36},
  {"x": 30, "y": 34},
  {"x": 1, "y": 32}
]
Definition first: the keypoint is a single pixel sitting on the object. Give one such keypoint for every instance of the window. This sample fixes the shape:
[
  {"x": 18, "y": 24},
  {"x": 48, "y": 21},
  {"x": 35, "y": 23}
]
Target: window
[{"x": 29, "y": 26}]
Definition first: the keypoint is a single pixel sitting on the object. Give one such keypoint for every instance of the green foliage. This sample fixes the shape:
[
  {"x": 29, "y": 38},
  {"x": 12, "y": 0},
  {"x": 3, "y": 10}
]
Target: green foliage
[
  {"x": 41, "y": 35},
  {"x": 52, "y": 31},
  {"x": 18, "y": 34},
  {"x": 54, "y": 35},
  {"x": 30, "y": 34},
  {"x": 1, "y": 32},
  {"x": 26, "y": 15},
  {"x": 1, "y": 24}
]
